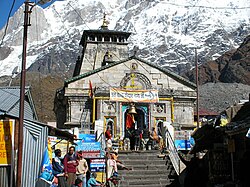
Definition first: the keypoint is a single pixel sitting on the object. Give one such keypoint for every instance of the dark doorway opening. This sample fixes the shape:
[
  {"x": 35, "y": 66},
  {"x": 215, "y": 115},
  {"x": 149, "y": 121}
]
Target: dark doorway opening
[{"x": 139, "y": 120}]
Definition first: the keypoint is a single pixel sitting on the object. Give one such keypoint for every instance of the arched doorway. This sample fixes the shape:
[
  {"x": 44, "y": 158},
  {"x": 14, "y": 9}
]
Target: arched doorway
[
  {"x": 140, "y": 119},
  {"x": 110, "y": 123}
]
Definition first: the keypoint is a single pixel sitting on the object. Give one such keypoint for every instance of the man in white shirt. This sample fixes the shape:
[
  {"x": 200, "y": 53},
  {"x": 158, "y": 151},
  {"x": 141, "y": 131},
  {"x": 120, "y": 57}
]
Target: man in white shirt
[{"x": 82, "y": 168}]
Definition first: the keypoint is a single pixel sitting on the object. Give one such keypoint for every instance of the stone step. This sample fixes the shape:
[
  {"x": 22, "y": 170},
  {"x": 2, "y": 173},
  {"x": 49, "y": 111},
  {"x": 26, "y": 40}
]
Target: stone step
[
  {"x": 155, "y": 185},
  {"x": 144, "y": 172},
  {"x": 143, "y": 156},
  {"x": 138, "y": 157},
  {"x": 146, "y": 182},
  {"x": 144, "y": 162},
  {"x": 149, "y": 155},
  {"x": 146, "y": 167},
  {"x": 153, "y": 176},
  {"x": 139, "y": 152}
]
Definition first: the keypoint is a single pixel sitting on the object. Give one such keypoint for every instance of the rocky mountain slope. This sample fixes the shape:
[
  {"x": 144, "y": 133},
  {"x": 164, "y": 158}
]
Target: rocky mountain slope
[
  {"x": 219, "y": 96},
  {"x": 166, "y": 32},
  {"x": 232, "y": 67}
]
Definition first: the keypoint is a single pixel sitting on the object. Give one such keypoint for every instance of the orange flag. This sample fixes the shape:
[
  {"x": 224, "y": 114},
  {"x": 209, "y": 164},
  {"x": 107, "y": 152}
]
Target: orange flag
[{"x": 90, "y": 89}]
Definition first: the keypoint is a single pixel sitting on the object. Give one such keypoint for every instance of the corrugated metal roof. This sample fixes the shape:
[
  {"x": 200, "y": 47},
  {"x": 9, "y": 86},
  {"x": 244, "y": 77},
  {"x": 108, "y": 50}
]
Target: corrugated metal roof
[
  {"x": 9, "y": 103},
  {"x": 34, "y": 145},
  {"x": 28, "y": 112},
  {"x": 5, "y": 176},
  {"x": 8, "y": 98},
  {"x": 35, "y": 138}
]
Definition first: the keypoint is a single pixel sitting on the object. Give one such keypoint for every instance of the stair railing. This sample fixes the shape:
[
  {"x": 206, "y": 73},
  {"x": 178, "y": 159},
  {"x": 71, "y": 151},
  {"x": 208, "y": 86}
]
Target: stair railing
[
  {"x": 102, "y": 140},
  {"x": 179, "y": 166}
]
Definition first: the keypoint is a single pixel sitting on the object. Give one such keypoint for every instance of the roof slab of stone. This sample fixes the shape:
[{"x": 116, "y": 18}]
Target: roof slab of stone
[{"x": 164, "y": 70}]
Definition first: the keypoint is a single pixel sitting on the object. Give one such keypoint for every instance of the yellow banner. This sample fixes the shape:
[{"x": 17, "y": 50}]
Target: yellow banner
[
  {"x": 142, "y": 96},
  {"x": 6, "y": 143}
]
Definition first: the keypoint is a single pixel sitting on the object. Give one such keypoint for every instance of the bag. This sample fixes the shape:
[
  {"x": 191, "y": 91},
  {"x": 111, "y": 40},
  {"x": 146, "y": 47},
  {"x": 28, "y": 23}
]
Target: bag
[
  {"x": 115, "y": 174},
  {"x": 48, "y": 176}
]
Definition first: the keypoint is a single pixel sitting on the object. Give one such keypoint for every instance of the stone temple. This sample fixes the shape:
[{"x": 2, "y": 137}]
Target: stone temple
[{"x": 108, "y": 83}]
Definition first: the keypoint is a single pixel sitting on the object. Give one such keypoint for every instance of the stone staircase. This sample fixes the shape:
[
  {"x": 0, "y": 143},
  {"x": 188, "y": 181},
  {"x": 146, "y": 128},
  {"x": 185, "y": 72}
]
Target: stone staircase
[{"x": 148, "y": 170}]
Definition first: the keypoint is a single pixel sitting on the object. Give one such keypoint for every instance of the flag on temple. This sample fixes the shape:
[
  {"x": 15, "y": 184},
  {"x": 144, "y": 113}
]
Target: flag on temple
[{"x": 90, "y": 89}]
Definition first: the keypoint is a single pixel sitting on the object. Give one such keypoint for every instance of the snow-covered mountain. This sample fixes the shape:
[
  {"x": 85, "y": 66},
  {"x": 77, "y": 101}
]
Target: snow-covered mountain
[{"x": 166, "y": 31}]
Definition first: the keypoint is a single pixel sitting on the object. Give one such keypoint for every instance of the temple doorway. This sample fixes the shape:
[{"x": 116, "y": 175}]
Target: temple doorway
[{"x": 139, "y": 120}]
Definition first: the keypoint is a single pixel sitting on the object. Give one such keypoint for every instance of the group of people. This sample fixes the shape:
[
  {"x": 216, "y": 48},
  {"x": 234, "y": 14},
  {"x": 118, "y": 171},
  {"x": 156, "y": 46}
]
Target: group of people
[
  {"x": 113, "y": 164},
  {"x": 139, "y": 138},
  {"x": 72, "y": 169},
  {"x": 144, "y": 139}
]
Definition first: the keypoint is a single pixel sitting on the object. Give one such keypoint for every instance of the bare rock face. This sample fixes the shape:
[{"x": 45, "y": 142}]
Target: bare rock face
[
  {"x": 237, "y": 68},
  {"x": 14, "y": 33},
  {"x": 219, "y": 96},
  {"x": 4, "y": 52},
  {"x": 232, "y": 67}
]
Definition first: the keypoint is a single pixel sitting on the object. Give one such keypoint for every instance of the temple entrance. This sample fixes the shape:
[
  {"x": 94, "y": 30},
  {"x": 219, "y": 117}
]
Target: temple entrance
[
  {"x": 138, "y": 120},
  {"x": 134, "y": 124}
]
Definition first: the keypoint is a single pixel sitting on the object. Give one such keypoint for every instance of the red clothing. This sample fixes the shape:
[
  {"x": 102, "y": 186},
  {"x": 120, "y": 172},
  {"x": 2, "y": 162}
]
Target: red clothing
[
  {"x": 70, "y": 163},
  {"x": 129, "y": 121},
  {"x": 108, "y": 134}
]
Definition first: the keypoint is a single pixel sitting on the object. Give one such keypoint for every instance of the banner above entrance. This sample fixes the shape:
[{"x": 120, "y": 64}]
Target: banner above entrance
[{"x": 142, "y": 96}]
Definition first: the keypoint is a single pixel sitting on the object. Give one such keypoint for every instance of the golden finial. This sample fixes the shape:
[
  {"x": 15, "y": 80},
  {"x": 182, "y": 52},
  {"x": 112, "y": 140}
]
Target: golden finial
[{"x": 105, "y": 22}]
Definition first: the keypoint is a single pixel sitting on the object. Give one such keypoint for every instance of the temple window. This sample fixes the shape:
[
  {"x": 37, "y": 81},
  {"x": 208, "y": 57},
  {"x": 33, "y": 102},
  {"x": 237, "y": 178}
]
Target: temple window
[
  {"x": 91, "y": 38},
  {"x": 106, "y": 39},
  {"x": 99, "y": 39}
]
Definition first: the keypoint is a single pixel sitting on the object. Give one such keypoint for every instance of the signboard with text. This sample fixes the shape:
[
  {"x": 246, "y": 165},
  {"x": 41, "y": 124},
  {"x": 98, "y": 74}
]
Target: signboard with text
[
  {"x": 87, "y": 138},
  {"x": 6, "y": 142},
  {"x": 183, "y": 140},
  {"x": 58, "y": 143},
  {"x": 146, "y": 96},
  {"x": 89, "y": 150},
  {"x": 97, "y": 165}
]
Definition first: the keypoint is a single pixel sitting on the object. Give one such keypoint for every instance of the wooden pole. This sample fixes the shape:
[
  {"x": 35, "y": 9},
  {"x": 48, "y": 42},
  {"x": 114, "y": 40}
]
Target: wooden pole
[
  {"x": 22, "y": 97},
  {"x": 27, "y": 11},
  {"x": 197, "y": 88}
]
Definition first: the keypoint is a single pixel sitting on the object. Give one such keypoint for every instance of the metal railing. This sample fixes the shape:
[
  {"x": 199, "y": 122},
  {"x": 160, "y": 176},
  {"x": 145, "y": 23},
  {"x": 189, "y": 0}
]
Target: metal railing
[
  {"x": 102, "y": 141},
  {"x": 179, "y": 166}
]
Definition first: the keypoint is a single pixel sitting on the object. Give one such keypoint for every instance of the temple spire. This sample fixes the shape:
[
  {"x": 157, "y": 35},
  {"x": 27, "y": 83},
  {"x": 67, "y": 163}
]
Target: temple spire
[{"x": 104, "y": 23}]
